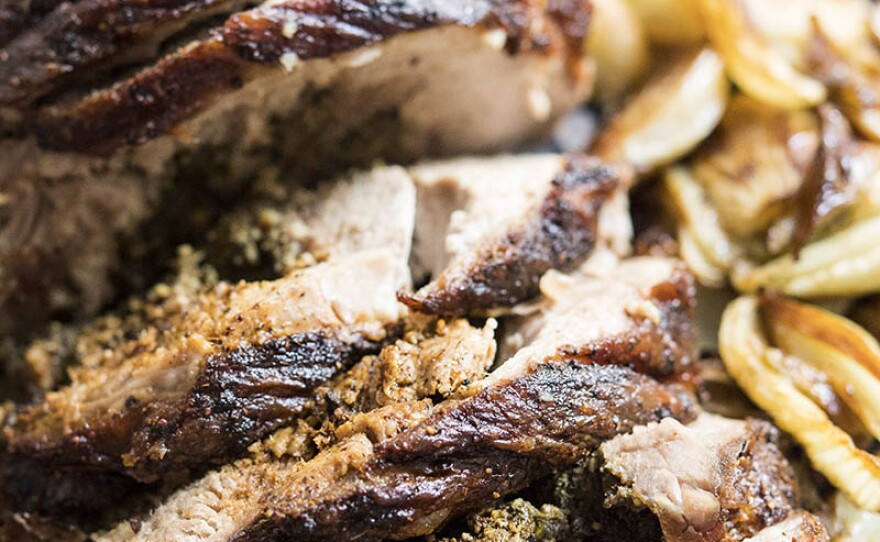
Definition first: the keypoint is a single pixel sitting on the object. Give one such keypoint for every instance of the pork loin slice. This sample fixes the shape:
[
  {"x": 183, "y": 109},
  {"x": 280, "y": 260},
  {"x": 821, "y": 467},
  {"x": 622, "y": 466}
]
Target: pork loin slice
[
  {"x": 236, "y": 365},
  {"x": 270, "y": 57},
  {"x": 715, "y": 480},
  {"x": 546, "y": 407},
  {"x": 291, "y": 226},
  {"x": 487, "y": 230}
]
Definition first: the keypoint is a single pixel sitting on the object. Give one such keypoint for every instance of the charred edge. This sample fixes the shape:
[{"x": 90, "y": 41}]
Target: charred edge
[
  {"x": 157, "y": 99},
  {"x": 498, "y": 442},
  {"x": 90, "y": 34},
  {"x": 666, "y": 348},
  {"x": 572, "y": 19},
  {"x": 393, "y": 508},
  {"x": 144, "y": 107},
  {"x": 565, "y": 404},
  {"x": 241, "y": 397},
  {"x": 749, "y": 503},
  {"x": 325, "y": 28},
  {"x": 68, "y": 493},
  {"x": 560, "y": 236}
]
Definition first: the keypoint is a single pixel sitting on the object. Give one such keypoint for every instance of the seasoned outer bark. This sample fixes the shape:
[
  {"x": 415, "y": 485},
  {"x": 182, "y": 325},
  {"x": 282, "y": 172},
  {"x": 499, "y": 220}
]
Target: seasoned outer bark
[
  {"x": 466, "y": 454},
  {"x": 504, "y": 267},
  {"x": 80, "y": 40},
  {"x": 235, "y": 366},
  {"x": 449, "y": 360},
  {"x": 179, "y": 86}
]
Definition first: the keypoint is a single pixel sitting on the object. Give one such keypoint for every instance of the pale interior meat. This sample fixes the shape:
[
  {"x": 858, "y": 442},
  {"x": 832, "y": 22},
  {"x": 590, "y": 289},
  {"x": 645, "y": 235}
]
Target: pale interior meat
[
  {"x": 800, "y": 526},
  {"x": 460, "y": 202},
  {"x": 292, "y": 227}
]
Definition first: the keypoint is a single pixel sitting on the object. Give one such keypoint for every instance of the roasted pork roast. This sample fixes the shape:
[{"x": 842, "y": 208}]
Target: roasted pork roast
[{"x": 95, "y": 175}]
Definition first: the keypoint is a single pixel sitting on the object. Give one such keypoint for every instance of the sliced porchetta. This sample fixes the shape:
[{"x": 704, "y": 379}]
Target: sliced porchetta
[
  {"x": 238, "y": 363},
  {"x": 575, "y": 384},
  {"x": 715, "y": 480},
  {"x": 486, "y": 231},
  {"x": 308, "y": 87}
]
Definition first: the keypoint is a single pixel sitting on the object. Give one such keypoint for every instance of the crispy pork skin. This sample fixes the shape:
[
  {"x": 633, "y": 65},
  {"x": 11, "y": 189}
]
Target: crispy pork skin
[
  {"x": 310, "y": 87},
  {"x": 714, "y": 480},
  {"x": 487, "y": 231},
  {"x": 574, "y": 385},
  {"x": 239, "y": 363}
]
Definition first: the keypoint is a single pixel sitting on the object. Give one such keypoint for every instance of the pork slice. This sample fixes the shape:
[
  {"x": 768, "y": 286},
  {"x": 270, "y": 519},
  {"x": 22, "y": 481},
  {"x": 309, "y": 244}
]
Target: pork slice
[
  {"x": 487, "y": 230},
  {"x": 717, "y": 479},
  {"x": 239, "y": 363},
  {"x": 267, "y": 56},
  {"x": 542, "y": 409},
  {"x": 352, "y": 83},
  {"x": 292, "y": 226},
  {"x": 83, "y": 39}
]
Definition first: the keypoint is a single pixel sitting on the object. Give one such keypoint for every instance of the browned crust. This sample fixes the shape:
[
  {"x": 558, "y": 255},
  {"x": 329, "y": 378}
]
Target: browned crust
[
  {"x": 665, "y": 348},
  {"x": 240, "y": 397},
  {"x": 757, "y": 488},
  {"x": 559, "y": 234},
  {"x": 158, "y": 98},
  {"x": 86, "y": 37},
  {"x": 470, "y": 453}
]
